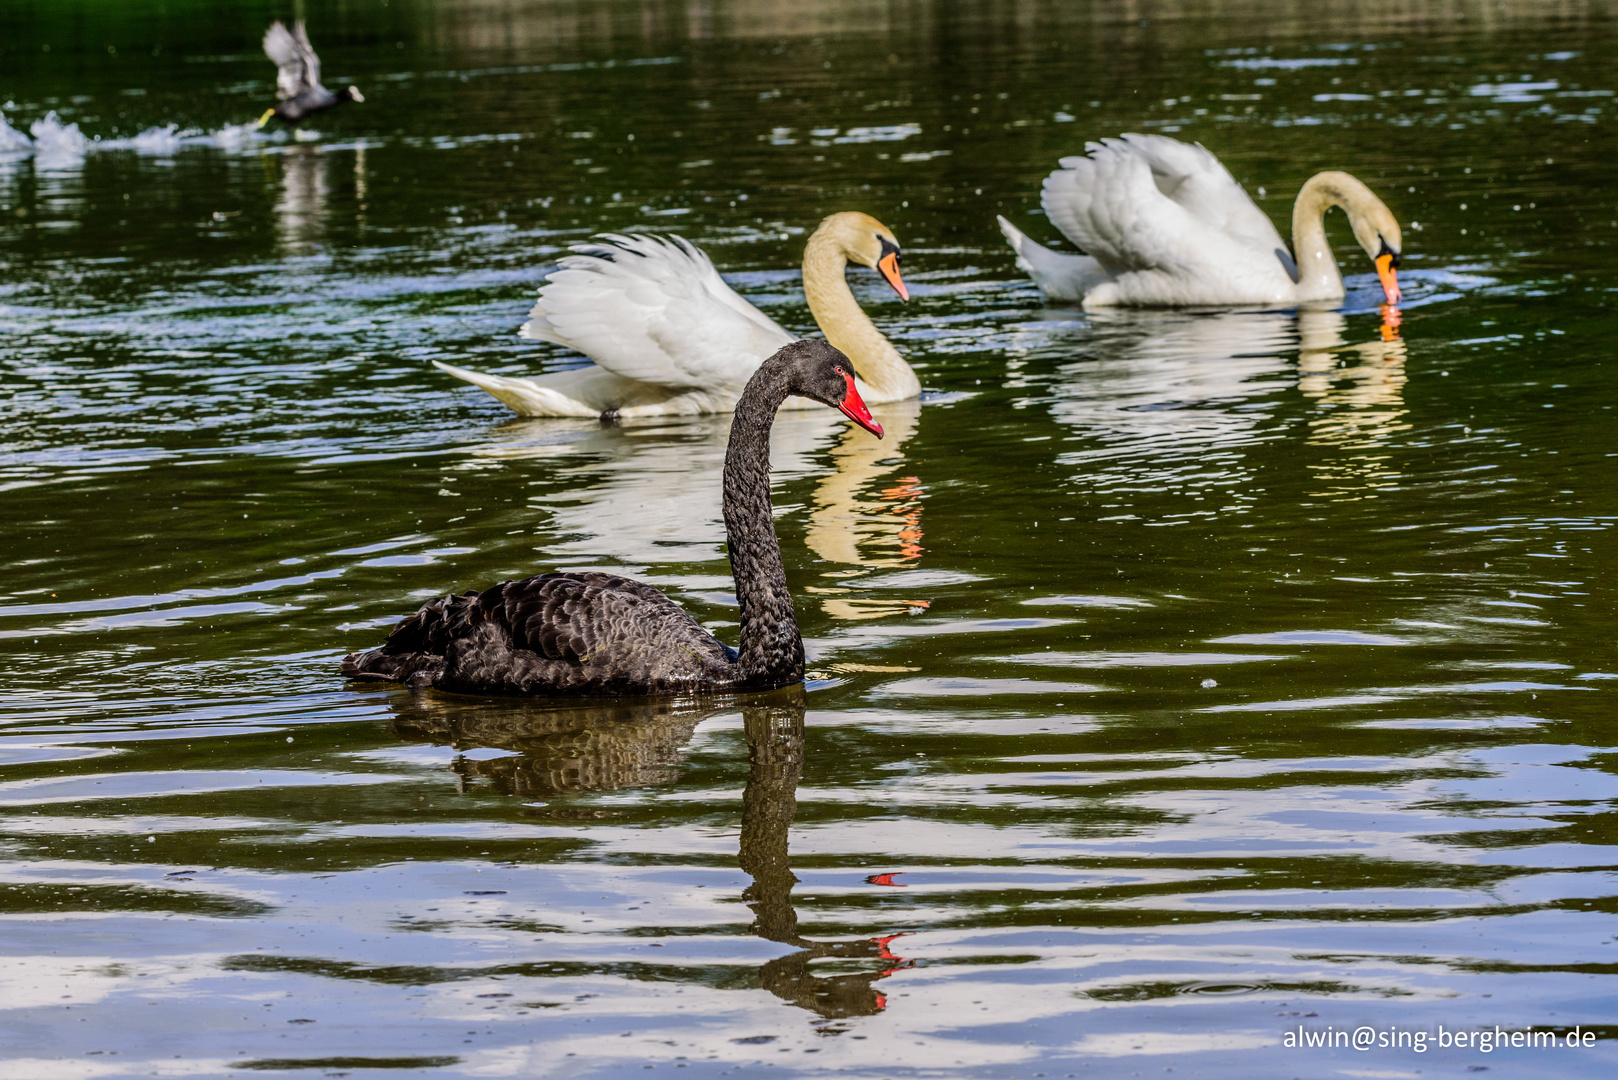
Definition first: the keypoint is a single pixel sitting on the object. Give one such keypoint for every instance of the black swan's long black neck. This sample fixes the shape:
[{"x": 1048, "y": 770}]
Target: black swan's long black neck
[{"x": 770, "y": 652}]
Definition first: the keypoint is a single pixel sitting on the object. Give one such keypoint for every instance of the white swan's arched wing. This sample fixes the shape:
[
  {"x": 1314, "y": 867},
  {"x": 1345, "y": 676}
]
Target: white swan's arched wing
[
  {"x": 653, "y": 310},
  {"x": 1107, "y": 204},
  {"x": 1198, "y": 181},
  {"x": 1150, "y": 202}
]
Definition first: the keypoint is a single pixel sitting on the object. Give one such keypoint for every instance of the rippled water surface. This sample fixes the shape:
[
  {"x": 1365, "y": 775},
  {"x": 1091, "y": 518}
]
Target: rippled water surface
[{"x": 1181, "y": 681}]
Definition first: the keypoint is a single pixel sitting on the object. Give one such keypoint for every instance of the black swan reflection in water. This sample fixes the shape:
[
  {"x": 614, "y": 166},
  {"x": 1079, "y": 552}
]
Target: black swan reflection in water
[
  {"x": 769, "y": 803},
  {"x": 605, "y": 745},
  {"x": 557, "y": 749},
  {"x": 600, "y": 635}
]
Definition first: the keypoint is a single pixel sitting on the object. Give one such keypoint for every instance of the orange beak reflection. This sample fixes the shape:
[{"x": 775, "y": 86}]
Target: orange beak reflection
[
  {"x": 1389, "y": 276},
  {"x": 1390, "y": 322},
  {"x": 889, "y": 266}
]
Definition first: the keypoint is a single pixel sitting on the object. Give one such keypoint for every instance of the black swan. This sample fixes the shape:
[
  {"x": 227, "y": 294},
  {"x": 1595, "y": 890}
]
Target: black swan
[
  {"x": 600, "y": 635},
  {"x": 297, "y": 77}
]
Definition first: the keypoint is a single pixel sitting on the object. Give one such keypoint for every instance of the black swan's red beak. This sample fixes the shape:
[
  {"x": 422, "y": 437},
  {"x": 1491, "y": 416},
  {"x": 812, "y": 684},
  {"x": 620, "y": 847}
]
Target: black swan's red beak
[{"x": 853, "y": 407}]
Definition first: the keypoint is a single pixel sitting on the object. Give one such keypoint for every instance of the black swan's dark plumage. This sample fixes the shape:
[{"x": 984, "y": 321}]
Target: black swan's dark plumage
[
  {"x": 600, "y": 635},
  {"x": 297, "y": 78}
]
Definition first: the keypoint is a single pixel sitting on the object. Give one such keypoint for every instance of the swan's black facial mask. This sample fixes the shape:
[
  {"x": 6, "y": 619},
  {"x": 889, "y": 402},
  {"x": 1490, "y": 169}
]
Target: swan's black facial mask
[{"x": 888, "y": 264}]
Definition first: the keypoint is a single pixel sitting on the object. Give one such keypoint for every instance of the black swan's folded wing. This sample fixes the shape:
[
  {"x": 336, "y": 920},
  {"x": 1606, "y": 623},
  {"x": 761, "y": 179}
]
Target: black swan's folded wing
[{"x": 570, "y": 633}]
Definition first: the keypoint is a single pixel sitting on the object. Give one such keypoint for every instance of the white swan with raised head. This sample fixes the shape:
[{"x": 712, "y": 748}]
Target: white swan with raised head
[
  {"x": 669, "y": 337},
  {"x": 1163, "y": 224}
]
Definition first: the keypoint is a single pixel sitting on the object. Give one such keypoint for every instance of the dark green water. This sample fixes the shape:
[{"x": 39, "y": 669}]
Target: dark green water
[{"x": 1179, "y": 679}]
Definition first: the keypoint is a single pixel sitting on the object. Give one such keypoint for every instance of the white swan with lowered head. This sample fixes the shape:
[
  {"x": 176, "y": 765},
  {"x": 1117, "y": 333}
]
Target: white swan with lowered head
[
  {"x": 1164, "y": 224},
  {"x": 669, "y": 337}
]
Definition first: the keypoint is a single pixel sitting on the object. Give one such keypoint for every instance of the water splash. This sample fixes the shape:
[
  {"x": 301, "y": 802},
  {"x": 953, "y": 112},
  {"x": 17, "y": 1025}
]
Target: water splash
[
  {"x": 13, "y": 141},
  {"x": 58, "y": 142},
  {"x": 160, "y": 141},
  {"x": 234, "y": 136}
]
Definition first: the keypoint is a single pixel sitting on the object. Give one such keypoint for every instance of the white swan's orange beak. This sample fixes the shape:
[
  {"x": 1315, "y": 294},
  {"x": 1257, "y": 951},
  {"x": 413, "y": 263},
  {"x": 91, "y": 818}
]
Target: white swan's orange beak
[
  {"x": 888, "y": 265},
  {"x": 854, "y": 408},
  {"x": 1389, "y": 275}
]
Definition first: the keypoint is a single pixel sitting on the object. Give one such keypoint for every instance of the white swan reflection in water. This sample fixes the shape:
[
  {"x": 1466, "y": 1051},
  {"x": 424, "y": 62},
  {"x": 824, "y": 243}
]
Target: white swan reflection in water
[
  {"x": 579, "y": 748},
  {"x": 1358, "y": 390},
  {"x": 645, "y": 495},
  {"x": 1171, "y": 401}
]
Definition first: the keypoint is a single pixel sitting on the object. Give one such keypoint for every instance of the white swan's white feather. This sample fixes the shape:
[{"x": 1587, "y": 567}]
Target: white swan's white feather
[
  {"x": 589, "y": 392},
  {"x": 654, "y": 311},
  {"x": 1060, "y": 276},
  {"x": 1165, "y": 223}
]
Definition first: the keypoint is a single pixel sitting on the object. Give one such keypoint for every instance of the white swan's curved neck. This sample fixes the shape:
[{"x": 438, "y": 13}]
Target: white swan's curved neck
[
  {"x": 1318, "y": 276},
  {"x": 847, "y": 326}
]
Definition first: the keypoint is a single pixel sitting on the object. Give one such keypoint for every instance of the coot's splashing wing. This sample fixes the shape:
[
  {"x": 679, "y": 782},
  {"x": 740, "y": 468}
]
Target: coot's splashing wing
[{"x": 297, "y": 66}]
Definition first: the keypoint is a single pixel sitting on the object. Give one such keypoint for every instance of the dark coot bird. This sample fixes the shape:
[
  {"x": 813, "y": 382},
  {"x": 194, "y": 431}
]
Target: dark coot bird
[
  {"x": 297, "y": 78},
  {"x": 600, "y": 635}
]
